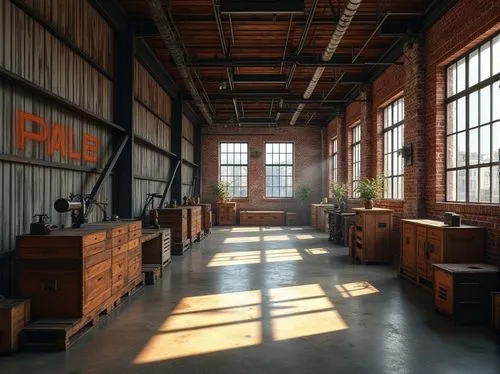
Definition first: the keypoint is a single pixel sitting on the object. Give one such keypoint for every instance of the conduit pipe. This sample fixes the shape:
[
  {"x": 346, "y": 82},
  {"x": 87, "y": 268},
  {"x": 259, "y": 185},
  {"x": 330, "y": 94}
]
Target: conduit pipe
[
  {"x": 342, "y": 26},
  {"x": 168, "y": 34}
]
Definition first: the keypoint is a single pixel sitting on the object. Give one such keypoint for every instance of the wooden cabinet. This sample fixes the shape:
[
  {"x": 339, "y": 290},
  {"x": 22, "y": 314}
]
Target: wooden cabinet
[
  {"x": 262, "y": 218},
  {"x": 14, "y": 315},
  {"x": 373, "y": 234},
  {"x": 176, "y": 220},
  {"x": 156, "y": 247},
  {"x": 226, "y": 214},
  {"x": 319, "y": 216},
  {"x": 426, "y": 242},
  {"x": 463, "y": 291},
  {"x": 193, "y": 222},
  {"x": 206, "y": 217},
  {"x": 74, "y": 273}
]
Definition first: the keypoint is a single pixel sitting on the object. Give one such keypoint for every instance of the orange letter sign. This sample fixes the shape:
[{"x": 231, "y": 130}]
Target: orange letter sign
[
  {"x": 57, "y": 140},
  {"x": 23, "y": 134},
  {"x": 90, "y": 148}
]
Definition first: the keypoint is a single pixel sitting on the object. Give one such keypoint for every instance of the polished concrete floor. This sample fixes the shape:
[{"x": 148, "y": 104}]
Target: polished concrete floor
[{"x": 273, "y": 300}]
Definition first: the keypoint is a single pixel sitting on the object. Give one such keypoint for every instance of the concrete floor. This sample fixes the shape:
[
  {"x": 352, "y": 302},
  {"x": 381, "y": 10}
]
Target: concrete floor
[{"x": 257, "y": 300}]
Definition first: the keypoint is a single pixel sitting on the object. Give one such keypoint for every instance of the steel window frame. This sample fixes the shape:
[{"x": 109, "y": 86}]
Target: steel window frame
[
  {"x": 233, "y": 165},
  {"x": 286, "y": 165},
  {"x": 354, "y": 145},
  {"x": 454, "y": 99},
  {"x": 392, "y": 151}
]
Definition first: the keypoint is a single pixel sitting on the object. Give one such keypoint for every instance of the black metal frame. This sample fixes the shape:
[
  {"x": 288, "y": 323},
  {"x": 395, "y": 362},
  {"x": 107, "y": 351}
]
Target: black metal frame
[
  {"x": 234, "y": 165},
  {"x": 392, "y": 151},
  {"x": 279, "y": 176},
  {"x": 465, "y": 94},
  {"x": 355, "y": 144}
]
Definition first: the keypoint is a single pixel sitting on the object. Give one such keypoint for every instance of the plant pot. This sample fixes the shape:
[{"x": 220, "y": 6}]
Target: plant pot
[{"x": 368, "y": 204}]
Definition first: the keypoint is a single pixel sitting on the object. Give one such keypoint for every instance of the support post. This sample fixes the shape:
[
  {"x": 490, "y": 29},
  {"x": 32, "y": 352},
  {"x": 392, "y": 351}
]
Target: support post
[
  {"x": 176, "y": 147},
  {"x": 123, "y": 181},
  {"x": 197, "y": 158}
]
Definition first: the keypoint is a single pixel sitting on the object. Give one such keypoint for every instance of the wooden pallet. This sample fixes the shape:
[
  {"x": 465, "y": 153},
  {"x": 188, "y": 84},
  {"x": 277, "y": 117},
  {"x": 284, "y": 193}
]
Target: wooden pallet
[
  {"x": 152, "y": 273},
  {"x": 178, "y": 249},
  {"x": 408, "y": 275},
  {"x": 59, "y": 334}
]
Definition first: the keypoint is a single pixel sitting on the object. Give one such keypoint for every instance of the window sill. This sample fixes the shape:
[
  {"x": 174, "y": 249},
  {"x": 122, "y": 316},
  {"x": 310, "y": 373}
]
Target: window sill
[
  {"x": 274, "y": 199},
  {"x": 468, "y": 208}
]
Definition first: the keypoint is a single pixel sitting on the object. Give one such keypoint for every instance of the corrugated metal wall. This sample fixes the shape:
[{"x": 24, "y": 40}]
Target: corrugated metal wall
[
  {"x": 152, "y": 118},
  {"x": 188, "y": 155},
  {"x": 33, "y": 173}
]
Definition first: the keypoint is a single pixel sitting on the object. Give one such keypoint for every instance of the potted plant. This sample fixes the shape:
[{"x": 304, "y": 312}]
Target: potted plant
[
  {"x": 221, "y": 191},
  {"x": 339, "y": 193},
  {"x": 304, "y": 193},
  {"x": 370, "y": 189}
]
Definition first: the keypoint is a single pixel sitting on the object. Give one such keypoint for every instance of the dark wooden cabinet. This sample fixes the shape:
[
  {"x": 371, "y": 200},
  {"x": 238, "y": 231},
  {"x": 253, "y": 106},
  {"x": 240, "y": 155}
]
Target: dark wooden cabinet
[
  {"x": 14, "y": 315},
  {"x": 226, "y": 214},
  {"x": 426, "y": 242},
  {"x": 156, "y": 247},
  {"x": 373, "y": 234},
  {"x": 463, "y": 291}
]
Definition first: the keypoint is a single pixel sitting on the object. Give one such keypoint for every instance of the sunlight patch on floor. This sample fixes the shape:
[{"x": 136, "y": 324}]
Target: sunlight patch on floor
[
  {"x": 270, "y": 238},
  {"x": 317, "y": 251},
  {"x": 304, "y": 237},
  {"x": 356, "y": 289},
  {"x": 242, "y": 239},
  {"x": 272, "y": 229},
  {"x": 245, "y": 229},
  {"x": 279, "y": 255},
  {"x": 235, "y": 258}
]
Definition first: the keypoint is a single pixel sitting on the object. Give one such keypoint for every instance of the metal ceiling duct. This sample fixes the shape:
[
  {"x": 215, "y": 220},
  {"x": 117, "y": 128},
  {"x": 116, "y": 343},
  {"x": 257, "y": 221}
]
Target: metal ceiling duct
[
  {"x": 344, "y": 22},
  {"x": 168, "y": 34}
]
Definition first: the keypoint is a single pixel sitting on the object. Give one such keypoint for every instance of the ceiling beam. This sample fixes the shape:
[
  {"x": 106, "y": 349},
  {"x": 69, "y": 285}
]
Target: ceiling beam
[{"x": 259, "y": 78}]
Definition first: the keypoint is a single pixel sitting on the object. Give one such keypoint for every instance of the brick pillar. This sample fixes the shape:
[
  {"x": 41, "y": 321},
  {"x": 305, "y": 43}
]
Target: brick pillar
[
  {"x": 414, "y": 96},
  {"x": 366, "y": 133},
  {"x": 342, "y": 148}
]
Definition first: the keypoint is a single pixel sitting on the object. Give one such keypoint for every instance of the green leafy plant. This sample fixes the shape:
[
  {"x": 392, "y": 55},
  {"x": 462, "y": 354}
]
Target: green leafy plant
[
  {"x": 304, "y": 193},
  {"x": 339, "y": 192},
  {"x": 221, "y": 191},
  {"x": 370, "y": 189}
]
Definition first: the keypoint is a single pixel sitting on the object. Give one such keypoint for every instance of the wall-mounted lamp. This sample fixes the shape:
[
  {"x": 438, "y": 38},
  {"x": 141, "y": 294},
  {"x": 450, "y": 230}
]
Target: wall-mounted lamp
[{"x": 407, "y": 153}]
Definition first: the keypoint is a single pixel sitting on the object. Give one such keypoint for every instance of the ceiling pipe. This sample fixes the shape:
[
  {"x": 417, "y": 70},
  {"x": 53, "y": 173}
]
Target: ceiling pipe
[
  {"x": 168, "y": 34},
  {"x": 344, "y": 22}
]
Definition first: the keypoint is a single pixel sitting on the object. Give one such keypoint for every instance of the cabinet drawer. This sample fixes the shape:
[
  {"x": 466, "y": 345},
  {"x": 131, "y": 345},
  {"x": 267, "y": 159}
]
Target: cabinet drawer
[
  {"x": 97, "y": 285},
  {"x": 119, "y": 250},
  {"x": 97, "y": 258},
  {"x": 134, "y": 243},
  {"x": 119, "y": 240},
  {"x": 434, "y": 234},
  {"x": 93, "y": 271},
  {"x": 119, "y": 264},
  {"x": 134, "y": 234},
  {"x": 421, "y": 231},
  {"x": 136, "y": 251},
  {"x": 119, "y": 285}
]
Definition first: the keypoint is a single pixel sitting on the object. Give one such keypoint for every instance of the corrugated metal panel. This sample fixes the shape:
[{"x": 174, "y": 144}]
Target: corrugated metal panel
[
  {"x": 187, "y": 180},
  {"x": 35, "y": 172},
  {"x": 30, "y": 51},
  {"x": 187, "y": 129},
  {"x": 152, "y": 115}
]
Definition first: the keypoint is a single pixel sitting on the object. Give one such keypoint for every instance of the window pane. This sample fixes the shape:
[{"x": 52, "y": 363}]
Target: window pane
[
  {"x": 461, "y": 150},
  {"x": 451, "y": 115},
  {"x": 223, "y": 158},
  {"x": 461, "y": 75},
  {"x": 269, "y": 147},
  {"x": 289, "y": 171},
  {"x": 269, "y": 159},
  {"x": 496, "y": 55},
  {"x": 461, "y": 114},
  {"x": 230, "y": 158},
  {"x": 244, "y": 147},
  {"x": 244, "y": 158},
  {"x": 289, "y": 192},
  {"x": 276, "y": 158},
  {"x": 223, "y": 147},
  {"x": 485, "y": 185},
  {"x": 237, "y": 158},
  {"x": 289, "y": 158},
  {"x": 485, "y": 105},
  {"x": 496, "y": 101},
  {"x": 276, "y": 148},
  {"x": 473, "y": 185},
  {"x": 496, "y": 141},
  {"x": 461, "y": 185},
  {"x": 473, "y": 147},
  {"x": 473, "y": 110},
  {"x": 451, "y": 186},
  {"x": 485, "y": 61},
  {"x": 451, "y": 76},
  {"x": 276, "y": 191},
  {"x": 230, "y": 147},
  {"x": 289, "y": 148},
  {"x": 474, "y": 68},
  {"x": 485, "y": 143},
  {"x": 495, "y": 191}
]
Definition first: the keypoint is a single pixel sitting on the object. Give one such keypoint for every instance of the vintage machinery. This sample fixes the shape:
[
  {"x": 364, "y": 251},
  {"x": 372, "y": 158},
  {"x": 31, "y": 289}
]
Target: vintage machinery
[
  {"x": 79, "y": 206},
  {"x": 41, "y": 227},
  {"x": 152, "y": 220}
]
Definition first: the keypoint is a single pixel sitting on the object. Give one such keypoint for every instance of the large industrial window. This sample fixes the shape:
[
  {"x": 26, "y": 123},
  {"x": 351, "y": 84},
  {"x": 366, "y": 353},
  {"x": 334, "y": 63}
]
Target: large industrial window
[
  {"x": 473, "y": 125},
  {"x": 279, "y": 169},
  {"x": 356, "y": 159},
  {"x": 234, "y": 167},
  {"x": 393, "y": 142},
  {"x": 335, "y": 165}
]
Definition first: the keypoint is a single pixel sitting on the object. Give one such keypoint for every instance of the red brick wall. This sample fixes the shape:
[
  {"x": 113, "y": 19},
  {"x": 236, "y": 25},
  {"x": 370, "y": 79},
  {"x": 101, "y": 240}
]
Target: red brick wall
[
  {"x": 421, "y": 76},
  {"x": 307, "y": 165}
]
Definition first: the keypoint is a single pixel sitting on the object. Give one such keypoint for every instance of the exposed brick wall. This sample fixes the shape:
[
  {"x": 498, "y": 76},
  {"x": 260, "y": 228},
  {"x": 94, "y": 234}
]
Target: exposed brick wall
[
  {"x": 421, "y": 77},
  {"x": 307, "y": 166}
]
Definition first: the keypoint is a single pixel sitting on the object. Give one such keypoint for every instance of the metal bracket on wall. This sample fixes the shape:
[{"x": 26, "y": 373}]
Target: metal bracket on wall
[{"x": 169, "y": 185}]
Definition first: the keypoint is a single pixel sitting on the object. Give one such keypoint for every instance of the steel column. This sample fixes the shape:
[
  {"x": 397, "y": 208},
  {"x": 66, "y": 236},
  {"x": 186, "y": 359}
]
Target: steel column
[
  {"x": 176, "y": 147},
  {"x": 123, "y": 180}
]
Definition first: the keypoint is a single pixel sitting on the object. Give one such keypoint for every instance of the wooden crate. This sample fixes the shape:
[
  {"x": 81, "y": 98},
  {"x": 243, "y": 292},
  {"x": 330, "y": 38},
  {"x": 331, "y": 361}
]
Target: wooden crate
[
  {"x": 226, "y": 214},
  {"x": 176, "y": 220},
  {"x": 426, "y": 242},
  {"x": 14, "y": 316},
  {"x": 495, "y": 310},
  {"x": 262, "y": 218},
  {"x": 156, "y": 247},
  {"x": 291, "y": 219},
  {"x": 72, "y": 273},
  {"x": 373, "y": 235},
  {"x": 206, "y": 217},
  {"x": 152, "y": 273},
  {"x": 193, "y": 222},
  {"x": 463, "y": 291}
]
